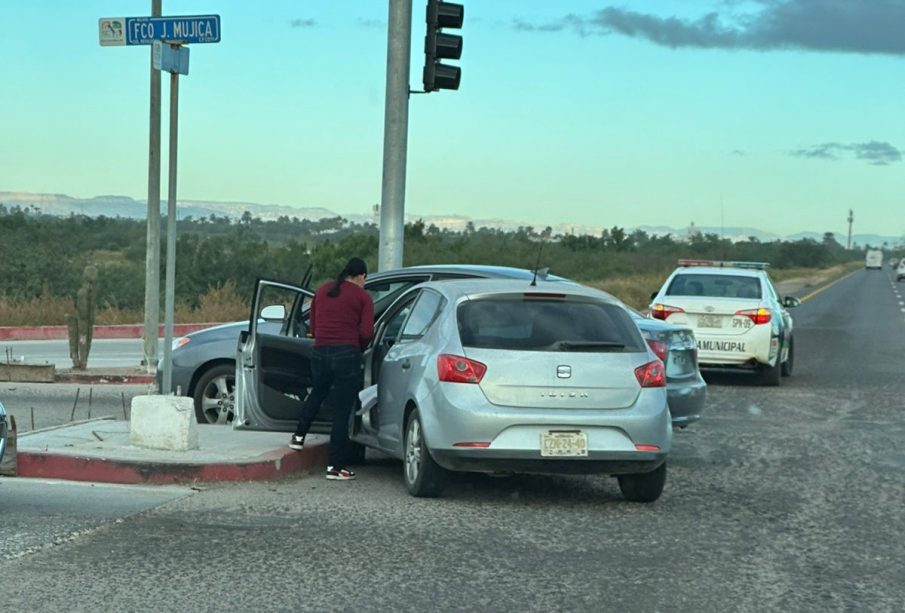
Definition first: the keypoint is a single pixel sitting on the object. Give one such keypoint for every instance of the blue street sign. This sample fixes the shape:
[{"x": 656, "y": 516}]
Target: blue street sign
[
  {"x": 184, "y": 29},
  {"x": 172, "y": 58}
]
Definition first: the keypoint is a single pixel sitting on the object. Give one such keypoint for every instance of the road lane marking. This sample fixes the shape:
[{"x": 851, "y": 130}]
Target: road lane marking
[{"x": 830, "y": 284}]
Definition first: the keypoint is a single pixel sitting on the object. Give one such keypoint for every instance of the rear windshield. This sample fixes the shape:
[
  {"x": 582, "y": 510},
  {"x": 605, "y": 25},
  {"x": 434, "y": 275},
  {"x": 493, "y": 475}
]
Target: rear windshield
[
  {"x": 547, "y": 325},
  {"x": 714, "y": 286}
]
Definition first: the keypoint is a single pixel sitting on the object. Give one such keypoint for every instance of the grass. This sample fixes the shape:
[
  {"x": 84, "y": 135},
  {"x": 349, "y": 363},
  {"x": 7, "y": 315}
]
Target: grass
[{"x": 223, "y": 303}]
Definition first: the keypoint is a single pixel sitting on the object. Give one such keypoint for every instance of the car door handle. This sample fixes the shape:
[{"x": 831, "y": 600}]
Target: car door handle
[{"x": 406, "y": 364}]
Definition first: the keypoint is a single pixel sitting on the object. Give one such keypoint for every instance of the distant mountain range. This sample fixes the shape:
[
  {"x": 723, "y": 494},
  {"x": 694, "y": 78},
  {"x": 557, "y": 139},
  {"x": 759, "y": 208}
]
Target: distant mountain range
[{"x": 124, "y": 206}]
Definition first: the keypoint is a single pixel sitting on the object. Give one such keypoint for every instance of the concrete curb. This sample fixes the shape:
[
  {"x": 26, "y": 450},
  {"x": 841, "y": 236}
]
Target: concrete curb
[
  {"x": 89, "y": 378},
  {"x": 271, "y": 465},
  {"x": 46, "y": 333}
]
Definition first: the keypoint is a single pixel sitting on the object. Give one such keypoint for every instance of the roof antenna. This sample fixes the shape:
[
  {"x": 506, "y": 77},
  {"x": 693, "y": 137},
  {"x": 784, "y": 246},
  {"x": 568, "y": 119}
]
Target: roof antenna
[{"x": 537, "y": 264}]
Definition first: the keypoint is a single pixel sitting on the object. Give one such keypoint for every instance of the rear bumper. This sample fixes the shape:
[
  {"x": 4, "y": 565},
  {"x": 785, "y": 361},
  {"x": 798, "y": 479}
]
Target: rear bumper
[
  {"x": 517, "y": 461},
  {"x": 742, "y": 350},
  {"x": 686, "y": 400}
]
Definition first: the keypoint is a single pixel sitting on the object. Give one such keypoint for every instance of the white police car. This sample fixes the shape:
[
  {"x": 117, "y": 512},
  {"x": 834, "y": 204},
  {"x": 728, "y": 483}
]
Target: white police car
[{"x": 737, "y": 317}]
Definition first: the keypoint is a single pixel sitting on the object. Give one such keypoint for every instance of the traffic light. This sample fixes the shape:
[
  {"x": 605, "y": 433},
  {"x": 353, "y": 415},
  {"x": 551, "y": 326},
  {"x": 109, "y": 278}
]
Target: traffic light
[{"x": 441, "y": 46}]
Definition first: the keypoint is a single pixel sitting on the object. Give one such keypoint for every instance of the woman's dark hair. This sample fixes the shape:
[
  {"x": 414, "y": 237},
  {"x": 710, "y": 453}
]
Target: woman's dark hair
[{"x": 353, "y": 268}]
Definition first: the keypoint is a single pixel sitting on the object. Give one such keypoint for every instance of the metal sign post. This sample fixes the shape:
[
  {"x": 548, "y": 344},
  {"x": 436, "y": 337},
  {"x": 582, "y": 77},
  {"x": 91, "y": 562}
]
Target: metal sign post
[
  {"x": 167, "y": 35},
  {"x": 175, "y": 59}
]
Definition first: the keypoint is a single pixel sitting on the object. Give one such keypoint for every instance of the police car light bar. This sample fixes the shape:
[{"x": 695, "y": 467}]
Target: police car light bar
[{"x": 722, "y": 264}]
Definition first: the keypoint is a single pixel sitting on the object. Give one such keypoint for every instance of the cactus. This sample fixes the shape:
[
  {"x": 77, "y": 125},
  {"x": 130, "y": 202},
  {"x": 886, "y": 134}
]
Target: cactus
[{"x": 81, "y": 324}]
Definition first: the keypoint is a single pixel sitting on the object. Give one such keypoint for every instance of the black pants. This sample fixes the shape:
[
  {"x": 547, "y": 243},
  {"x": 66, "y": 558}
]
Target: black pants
[{"x": 336, "y": 371}]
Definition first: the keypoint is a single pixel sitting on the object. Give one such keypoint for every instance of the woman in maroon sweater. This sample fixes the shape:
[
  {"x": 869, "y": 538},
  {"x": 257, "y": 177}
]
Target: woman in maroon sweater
[{"x": 341, "y": 319}]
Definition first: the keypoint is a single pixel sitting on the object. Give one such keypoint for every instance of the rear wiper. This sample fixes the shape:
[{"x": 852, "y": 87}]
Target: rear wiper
[{"x": 589, "y": 346}]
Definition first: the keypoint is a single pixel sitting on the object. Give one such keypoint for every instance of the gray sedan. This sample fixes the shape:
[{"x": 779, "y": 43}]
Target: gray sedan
[{"x": 487, "y": 375}]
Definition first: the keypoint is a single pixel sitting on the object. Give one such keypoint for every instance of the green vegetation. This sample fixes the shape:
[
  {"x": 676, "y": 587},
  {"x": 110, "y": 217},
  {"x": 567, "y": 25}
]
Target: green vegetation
[{"x": 42, "y": 258}]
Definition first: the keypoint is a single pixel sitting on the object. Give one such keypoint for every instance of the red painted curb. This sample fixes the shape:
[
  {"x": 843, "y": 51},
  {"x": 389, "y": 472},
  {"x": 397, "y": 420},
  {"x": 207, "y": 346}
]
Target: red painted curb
[
  {"x": 273, "y": 465},
  {"x": 47, "y": 333}
]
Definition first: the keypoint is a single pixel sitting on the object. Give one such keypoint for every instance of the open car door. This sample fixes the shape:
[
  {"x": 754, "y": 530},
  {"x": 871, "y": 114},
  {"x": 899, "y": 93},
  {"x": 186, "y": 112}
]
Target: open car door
[{"x": 273, "y": 371}]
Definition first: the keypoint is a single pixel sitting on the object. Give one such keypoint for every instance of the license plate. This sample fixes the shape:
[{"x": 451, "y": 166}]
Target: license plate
[
  {"x": 710, "y": 321},
  {"x": 563, "y": 444}
]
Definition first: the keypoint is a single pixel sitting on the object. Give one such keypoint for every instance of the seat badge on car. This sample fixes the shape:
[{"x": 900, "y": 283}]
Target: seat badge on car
[{"x": 563, "y": 371}]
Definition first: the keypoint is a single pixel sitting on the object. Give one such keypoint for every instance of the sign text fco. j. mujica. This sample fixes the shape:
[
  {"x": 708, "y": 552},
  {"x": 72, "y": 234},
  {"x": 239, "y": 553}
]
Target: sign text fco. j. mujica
[{"x": 145, "y": 30}]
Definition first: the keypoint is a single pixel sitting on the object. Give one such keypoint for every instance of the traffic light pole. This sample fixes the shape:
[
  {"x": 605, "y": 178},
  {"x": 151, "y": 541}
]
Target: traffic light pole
[{"x": 395, "y": 135}]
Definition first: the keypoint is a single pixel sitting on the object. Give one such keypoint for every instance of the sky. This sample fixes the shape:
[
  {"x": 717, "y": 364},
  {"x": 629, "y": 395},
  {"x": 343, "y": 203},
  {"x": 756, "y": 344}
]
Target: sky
[{"x": 775, "y": 114}]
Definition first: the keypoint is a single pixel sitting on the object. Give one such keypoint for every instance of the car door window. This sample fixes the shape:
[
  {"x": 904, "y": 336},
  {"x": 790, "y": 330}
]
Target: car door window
[
  {"x": 385, "y": 291},
  {"x": 423, "y": 314}
]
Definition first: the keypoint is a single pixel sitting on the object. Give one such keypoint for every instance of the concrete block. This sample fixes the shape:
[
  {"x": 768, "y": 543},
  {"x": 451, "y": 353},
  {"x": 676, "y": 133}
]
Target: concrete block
[{"x": 163, "y": 422}]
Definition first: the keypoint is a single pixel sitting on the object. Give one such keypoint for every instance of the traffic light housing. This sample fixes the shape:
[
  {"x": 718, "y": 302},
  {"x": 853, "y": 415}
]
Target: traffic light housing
[{"x": 438, "y": 45}]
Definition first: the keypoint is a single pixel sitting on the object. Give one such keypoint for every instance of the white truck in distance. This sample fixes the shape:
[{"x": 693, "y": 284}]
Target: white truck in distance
[{"x": 874, "y": 259}]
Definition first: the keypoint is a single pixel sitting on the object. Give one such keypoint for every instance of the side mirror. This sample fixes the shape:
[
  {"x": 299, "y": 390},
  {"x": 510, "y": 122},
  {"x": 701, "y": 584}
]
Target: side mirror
[
  {"x": 791, "y": 302},
  {"x": 274, "y": 312},
  {"x": 653, "y": 295}
]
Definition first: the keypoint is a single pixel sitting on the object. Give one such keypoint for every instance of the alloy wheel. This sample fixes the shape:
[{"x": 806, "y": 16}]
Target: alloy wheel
[
  {"x": 218, "y": 400},
  {"x": 413, "y": 451}
]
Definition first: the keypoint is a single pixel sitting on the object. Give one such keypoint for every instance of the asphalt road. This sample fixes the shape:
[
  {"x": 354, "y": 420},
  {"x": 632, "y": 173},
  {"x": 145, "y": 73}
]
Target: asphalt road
[
  {"x": 781, "y": 499},
  {"x": 104, "y": 352},
  {"x": 40, "y": 513}
]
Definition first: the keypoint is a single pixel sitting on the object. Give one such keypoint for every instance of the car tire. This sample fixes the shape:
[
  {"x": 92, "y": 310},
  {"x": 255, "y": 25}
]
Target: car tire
[
  {"x": 790, "y": 360},
  {"x": 771, "y": 375},
  {"x": 215, "y": 395},
  {"x": 643, "y": 487},
  {"x": 424, "y": 478}
]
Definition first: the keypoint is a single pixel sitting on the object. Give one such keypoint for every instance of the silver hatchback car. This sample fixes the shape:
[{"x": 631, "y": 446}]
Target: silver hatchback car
[{"x": 493, "y": 376}]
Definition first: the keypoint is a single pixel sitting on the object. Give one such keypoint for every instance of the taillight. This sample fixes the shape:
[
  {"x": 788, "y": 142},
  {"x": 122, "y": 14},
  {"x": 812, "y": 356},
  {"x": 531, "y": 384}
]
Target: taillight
[
  {"x": 662, "y": 311},
  {"x": 659, "y": 349},
  {"x": 651, "y": 374},
  {"x": 456, "y": 369},
  {"x": 647, "y": 448},
  {"x": 758, "y": 316}
]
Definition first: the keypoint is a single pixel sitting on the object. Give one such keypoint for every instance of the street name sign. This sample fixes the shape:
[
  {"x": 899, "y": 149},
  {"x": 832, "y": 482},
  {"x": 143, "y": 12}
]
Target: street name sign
[
  {"x": 183, "y": 30},
  {"x": 171, "y": 58}
]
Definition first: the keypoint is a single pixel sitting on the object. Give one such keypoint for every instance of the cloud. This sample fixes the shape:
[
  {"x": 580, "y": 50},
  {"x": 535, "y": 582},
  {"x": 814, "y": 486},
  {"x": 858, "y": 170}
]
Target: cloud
[
  {"x": 848, "y": 26},
  {"x": 873, "y": 152},
  {"x": 303, "y": 23}
]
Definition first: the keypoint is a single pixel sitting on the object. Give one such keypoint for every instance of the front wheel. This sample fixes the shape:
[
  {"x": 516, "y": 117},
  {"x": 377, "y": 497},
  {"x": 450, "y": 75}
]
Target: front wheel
[
  {"x": 424, "y": 478},
  {"x": 643, "y": 487},
  {"x": 215, "y": 395}
]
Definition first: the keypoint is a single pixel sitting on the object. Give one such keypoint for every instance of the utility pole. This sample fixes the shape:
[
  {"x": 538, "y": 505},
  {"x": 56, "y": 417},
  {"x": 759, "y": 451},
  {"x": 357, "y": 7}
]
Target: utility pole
[
  {"x": 851, "y": 218},
  {"x": 152, "y": 251},
  {"x": 395, "y": 135}
]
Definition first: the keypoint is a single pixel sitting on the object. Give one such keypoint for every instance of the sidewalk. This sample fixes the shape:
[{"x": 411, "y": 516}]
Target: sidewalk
[{"x": 98, "y": 450}]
